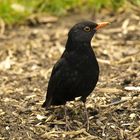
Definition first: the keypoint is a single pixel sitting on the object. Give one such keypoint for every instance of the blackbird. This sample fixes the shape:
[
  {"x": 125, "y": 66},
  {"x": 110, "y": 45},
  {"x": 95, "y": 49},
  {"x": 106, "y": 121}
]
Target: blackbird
[{"x": 76, "y": 73}]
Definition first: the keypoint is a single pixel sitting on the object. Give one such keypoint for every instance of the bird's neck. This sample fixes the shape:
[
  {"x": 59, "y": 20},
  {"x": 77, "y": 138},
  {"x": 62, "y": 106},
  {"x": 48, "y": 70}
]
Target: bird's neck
[
  {"x": 79, "y": 46},
  {"x": 81, "y": 52}
]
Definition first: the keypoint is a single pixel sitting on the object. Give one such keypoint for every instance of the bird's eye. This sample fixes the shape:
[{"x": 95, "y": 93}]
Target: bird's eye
[{"x": 87, "y": 29}]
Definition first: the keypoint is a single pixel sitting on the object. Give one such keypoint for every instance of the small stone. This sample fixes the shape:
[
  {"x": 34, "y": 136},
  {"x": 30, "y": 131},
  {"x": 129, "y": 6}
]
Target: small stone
[
  {"x": 132, "y": 116},
  {"x": 7, "y": 127},
  {"x": 39, "y": 117}
]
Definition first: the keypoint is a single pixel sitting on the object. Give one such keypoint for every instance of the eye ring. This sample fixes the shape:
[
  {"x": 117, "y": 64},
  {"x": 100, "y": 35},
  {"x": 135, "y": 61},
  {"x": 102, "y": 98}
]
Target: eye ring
[{"x": 87, "y": 29}]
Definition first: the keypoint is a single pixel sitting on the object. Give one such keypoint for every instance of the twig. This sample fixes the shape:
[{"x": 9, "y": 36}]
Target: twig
[{"x": 115, "y": 103}]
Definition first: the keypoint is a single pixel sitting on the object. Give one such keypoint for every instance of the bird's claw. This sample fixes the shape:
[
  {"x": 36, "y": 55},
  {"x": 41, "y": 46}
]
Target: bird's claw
[
  {"x": 87, "y": 125},
  {"x": 67, "y": 127}
]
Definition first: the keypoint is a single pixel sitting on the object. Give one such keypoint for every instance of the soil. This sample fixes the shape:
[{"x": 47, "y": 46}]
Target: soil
[{"x": 27, "y": 55}]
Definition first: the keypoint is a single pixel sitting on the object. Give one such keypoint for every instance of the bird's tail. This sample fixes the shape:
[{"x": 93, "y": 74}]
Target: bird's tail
[{"x": 47, "y": 103}]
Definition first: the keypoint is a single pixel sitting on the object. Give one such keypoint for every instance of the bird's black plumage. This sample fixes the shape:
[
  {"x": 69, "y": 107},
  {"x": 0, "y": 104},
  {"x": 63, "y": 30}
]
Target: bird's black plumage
[{"x": 76, "y": 72}]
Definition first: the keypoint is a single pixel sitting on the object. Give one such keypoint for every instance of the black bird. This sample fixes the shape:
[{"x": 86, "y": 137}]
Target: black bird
[{"x": 76, "y": 73}]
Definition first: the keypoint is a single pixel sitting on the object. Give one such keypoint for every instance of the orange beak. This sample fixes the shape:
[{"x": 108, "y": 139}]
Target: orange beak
[{"x": 101, "y": 25}]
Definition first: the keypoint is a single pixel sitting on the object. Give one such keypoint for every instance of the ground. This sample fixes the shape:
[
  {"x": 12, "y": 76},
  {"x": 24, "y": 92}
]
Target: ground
[{"x": 27, "y": 55}]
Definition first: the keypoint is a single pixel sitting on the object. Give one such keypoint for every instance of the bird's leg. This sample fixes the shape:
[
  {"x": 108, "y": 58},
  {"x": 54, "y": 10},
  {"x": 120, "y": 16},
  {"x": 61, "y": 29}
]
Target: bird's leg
[
  {"x": 67, "y": 125},
  {"x": 86, "y": 116}
]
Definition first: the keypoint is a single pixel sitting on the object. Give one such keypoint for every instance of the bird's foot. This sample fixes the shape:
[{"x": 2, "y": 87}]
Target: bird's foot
[
  {"x": 86, "y": 118},
  {"x": 67, "y": 127},
  {"x": 87, "y": 125}
]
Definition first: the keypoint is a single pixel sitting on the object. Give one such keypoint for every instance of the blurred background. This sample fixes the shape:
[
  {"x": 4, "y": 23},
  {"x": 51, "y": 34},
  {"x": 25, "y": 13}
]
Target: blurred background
[{"x": 14, "y": 11}]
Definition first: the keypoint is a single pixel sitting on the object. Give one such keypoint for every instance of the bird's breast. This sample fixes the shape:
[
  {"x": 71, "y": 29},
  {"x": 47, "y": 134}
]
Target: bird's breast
[{"x": 85, "y": 66}]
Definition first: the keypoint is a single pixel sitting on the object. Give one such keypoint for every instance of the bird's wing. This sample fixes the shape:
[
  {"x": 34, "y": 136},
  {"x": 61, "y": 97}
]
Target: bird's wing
[{"x": 54, "y": 81}]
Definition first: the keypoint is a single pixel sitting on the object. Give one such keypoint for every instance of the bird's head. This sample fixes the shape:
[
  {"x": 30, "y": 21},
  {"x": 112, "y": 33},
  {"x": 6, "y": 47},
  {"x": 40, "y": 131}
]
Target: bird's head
[{"x": 84, "y": 31}]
